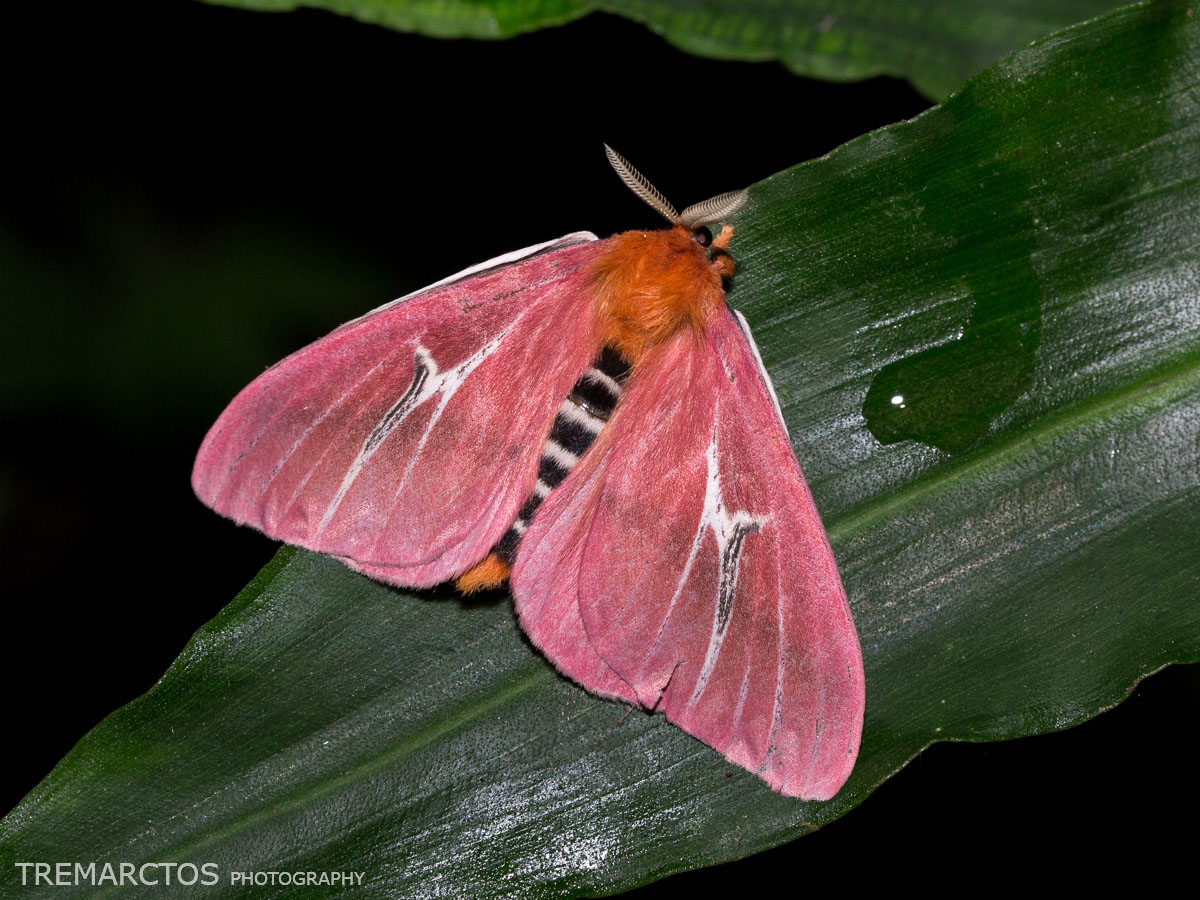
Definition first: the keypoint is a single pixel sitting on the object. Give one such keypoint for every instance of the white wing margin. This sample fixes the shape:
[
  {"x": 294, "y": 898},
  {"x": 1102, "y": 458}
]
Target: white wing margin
[
  {"x": 504, "y": 259},
  {"x": 762, "y": 370}
]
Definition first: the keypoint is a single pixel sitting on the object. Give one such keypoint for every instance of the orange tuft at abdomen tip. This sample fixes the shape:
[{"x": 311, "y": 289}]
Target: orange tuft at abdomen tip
[{"x": 490, "y": 573}]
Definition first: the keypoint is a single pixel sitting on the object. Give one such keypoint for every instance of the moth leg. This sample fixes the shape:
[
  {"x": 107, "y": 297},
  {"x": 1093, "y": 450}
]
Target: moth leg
[{"x": 718, "y": 253}]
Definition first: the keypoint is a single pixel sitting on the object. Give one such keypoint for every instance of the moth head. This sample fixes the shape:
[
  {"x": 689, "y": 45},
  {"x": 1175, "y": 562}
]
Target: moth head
[{"x": 696, "y": 218}]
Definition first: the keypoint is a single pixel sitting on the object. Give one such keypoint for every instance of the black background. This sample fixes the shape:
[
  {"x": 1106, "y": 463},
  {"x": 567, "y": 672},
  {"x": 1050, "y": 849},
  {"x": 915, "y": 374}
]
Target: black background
[{"x": 169, "y": 164}]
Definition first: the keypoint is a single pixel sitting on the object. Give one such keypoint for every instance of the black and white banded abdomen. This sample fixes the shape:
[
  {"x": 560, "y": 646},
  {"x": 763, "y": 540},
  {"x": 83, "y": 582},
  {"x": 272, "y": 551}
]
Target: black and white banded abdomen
[{"x": 580, "y": 418}]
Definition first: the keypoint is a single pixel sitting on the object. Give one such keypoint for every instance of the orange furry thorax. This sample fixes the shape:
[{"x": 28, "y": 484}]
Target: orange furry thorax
[{"x": 651, "y": 284}]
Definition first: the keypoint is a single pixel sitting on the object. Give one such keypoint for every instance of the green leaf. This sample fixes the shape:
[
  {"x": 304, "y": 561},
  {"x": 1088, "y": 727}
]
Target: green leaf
[
  {"x": 935, "y": 44},
  {"x": 1017, "y": 534}
]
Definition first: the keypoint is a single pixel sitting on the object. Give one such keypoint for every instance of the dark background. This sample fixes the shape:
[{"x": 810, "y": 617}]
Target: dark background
[{"x": 192, "y": 192}]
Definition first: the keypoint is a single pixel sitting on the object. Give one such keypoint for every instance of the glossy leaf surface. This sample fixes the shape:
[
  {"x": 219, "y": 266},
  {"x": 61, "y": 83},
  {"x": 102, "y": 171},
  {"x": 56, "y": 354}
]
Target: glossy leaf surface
[
  {"x": 936, "y": 44},
  {"x": 1020, "y": 267}
]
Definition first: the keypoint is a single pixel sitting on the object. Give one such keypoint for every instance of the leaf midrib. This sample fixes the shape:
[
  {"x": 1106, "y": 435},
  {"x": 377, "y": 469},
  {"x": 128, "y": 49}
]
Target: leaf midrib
[
  {"x": 1159, "y": 384},
  {"x": 422, "y": 738}
]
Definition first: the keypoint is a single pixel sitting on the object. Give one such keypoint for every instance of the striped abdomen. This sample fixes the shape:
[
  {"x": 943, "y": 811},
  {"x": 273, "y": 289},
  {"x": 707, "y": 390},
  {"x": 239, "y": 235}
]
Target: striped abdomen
[{"x": 580, "y": 418}]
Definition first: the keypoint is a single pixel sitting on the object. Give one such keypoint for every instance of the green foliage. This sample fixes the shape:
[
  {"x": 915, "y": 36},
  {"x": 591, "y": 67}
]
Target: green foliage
[
  {"x": 936, "y": 44},
  {"x": 1017, "y": 533}
]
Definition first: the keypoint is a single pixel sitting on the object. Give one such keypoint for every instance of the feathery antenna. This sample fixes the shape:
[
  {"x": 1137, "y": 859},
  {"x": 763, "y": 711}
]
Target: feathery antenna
[
  {"x": 698, "y": 214},
  {"x": 712, "y": 210},
  {"x": 637, "y": 183}
]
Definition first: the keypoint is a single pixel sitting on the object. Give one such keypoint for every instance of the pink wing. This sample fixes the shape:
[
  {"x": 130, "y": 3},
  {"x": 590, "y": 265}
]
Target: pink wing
[
  {"x": 682, "y": 566},
  {"x": 405, "y": 441}
]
